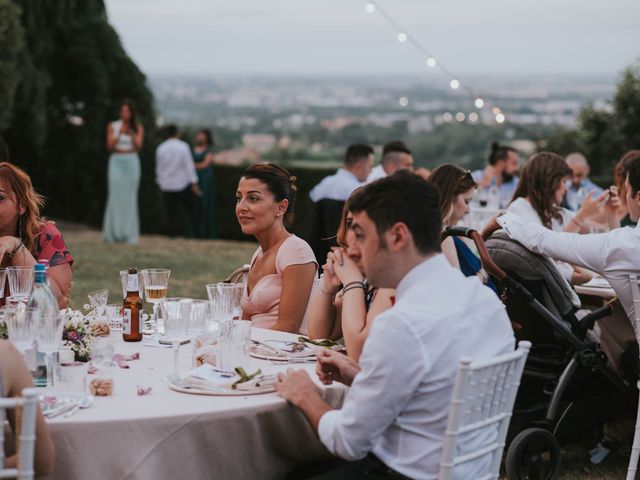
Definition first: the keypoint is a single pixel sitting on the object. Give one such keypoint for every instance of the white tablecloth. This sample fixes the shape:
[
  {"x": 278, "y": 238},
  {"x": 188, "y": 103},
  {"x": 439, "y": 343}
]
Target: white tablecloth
[{"x": 167, "y": 434}]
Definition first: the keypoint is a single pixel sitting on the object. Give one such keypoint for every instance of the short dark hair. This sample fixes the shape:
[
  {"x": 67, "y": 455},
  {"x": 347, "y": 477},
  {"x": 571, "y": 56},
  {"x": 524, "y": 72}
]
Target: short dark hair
[
  {"x": 395, "y": 146},
  {"x": 403, "y": 197},
  {"x": 356, "y": 153},
  {"x": 633, "y": 173},
  {"x": 170, "y": 131},
  {"x": 278, "y": 180},
  {"x": 499, "y": 153}
]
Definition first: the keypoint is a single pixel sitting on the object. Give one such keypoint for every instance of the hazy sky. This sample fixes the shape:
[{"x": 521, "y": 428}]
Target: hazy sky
[{"x": 338, "y": 36}]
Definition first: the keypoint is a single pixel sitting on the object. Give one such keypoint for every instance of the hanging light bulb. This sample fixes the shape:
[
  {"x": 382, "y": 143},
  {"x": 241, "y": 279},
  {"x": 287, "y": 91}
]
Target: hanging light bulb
[
  {"x": 402, "y": 37},
  {"x": 479, "y": 102},
  {"x": 496, "y": 110},
  {"x": 371, "y": 7},
  {"x": 500, "y": 118},
  {"x": 460, "y": 116},
  {"x": 447, "y": 117},
  {"x": 455, "y": 84},
  {"x": 473, "y": 117},
  {"x": 431, "y": 62},
  {"x": 403, "y": 101}
]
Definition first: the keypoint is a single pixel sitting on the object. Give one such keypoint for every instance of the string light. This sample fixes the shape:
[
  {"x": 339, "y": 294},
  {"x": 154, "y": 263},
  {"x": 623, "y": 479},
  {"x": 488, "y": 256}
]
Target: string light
[
  {"x": 403, "y": 101},
  {"x": 460, "y": 116},
  {"x": 405, "y": 37}
]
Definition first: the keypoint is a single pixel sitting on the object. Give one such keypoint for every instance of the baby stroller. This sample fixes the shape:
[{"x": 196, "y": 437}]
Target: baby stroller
[{"x": 567, "y": 388}]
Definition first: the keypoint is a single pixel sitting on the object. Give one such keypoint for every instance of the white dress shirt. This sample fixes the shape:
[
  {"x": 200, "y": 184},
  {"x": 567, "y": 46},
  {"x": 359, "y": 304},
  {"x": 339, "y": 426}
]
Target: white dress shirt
[
  {"x": 614, "y": 254},
  {"x": 175, "y": 169},
  {"x": 398, "y": 404},
  {"x": 525, "y": 210},
  {"x": 376, "y": 174},
  {"x": 335, "y": 187}
]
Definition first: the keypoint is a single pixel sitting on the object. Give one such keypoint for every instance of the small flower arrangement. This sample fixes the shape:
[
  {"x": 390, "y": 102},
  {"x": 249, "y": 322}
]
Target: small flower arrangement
[
  {"x": 4, "y": 334},
  {"x": 77, "y": 335}
]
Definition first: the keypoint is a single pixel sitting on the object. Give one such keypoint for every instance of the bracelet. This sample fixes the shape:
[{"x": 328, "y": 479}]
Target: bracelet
[
  {"x": 15, "y": 250},
  {"x": 356, "y": 282},
  {"x": 353, "y": 286},
  {"x": 579, "y": 225}
]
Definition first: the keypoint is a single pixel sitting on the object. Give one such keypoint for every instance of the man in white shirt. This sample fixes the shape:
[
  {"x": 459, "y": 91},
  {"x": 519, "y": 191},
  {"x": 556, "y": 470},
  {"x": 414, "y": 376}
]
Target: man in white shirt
[
  {"x": 178, "y": 181},
  {"x": 395, "y": 156},
  {"x": 614, "y": 254},
  {"x": 394, "y": 415}
]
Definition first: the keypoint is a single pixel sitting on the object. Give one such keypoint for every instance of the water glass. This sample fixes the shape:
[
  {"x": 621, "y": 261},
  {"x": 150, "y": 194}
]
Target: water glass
[
  {"x": 19, "y": 328},
  {"x": 114, "y": 317},
  {"x": 72, "y": 378},
  {"x": 20, "y": 283},
  {"x": 235, "y": 338},
  {"x": 225, "y": 299},
  {"x": 3, "y": 279},
  {"x": 48, "y": 335},
  {"x": 176, "y": 313},
  {"x": 98, "y": 300},
  {"x": 198, "y": 322}
]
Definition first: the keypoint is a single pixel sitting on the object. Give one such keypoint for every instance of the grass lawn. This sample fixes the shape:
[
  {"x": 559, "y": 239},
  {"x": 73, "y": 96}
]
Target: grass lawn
[{"x": 193, "y": 264}]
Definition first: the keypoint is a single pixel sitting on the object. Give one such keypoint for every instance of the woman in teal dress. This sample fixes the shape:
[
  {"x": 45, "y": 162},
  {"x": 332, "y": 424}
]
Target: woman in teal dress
[
  {"x": 124, "y": 140},
  {"x": 203, "y": 158}
]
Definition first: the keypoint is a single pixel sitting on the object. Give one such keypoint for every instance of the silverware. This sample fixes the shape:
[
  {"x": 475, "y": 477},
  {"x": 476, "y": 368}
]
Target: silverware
[
  {"x": 268, "y": 348},
  {"x": 64, "y": 408}
]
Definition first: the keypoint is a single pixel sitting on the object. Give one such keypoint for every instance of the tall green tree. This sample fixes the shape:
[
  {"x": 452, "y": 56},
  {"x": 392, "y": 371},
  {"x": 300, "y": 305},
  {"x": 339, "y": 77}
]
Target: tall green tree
[{"x": 12, "y": 41}]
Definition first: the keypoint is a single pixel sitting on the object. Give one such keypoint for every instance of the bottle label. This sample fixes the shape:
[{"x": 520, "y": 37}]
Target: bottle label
[
  {"x": 132, "y": 283},
  {"x": 126, "y": 321}
]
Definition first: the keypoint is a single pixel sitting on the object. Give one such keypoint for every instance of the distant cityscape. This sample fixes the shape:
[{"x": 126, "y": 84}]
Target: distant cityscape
[{"x": 310, "y": 118}]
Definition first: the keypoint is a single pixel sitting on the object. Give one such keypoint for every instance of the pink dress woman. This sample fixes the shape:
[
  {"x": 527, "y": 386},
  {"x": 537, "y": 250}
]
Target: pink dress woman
[{"x": 263, "y": 302}]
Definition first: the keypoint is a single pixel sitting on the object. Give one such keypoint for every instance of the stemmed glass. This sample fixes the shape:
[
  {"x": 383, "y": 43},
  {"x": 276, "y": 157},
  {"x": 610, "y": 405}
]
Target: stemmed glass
[
  {"x": 48, "y": 335},
  {"x": 20, "y": 283},
  {"x": 156, "y": 281},
  {"x": 98, "y": 300},
  {"x": 225, "y": 299},
  {"x": 176, "y": 313},
  {"x": 19, "y": 328}
]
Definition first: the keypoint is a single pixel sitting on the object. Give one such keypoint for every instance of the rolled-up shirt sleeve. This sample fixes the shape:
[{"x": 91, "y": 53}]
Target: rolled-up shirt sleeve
[{"x": 393, "y": 364}]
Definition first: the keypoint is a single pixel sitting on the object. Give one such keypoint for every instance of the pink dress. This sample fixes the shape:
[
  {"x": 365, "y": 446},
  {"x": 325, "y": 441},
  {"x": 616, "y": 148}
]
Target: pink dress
[{"x": 263, "y": 303}]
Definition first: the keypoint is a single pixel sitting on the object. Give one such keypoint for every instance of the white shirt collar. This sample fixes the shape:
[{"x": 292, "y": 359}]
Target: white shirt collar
[{"x": 423, "y": 273}]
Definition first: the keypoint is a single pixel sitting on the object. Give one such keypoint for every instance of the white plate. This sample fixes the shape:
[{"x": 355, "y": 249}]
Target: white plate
[
  {"x": 256, "y": 351},
  {"x": 222, "y": 391},
  {"x": 208, "y": 380}
]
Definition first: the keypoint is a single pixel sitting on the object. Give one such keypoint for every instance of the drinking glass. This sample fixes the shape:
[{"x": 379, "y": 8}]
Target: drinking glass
[
  {"x": 225, "y": 300},
  {"x": 98, "y": 300},
  {"x": 198, "y": 322},
  {"x": 176, "y": 313},
  {"x": 114, "y": 317},
  {"x": 235, "y": 337},
  {"x": 3, "y": 279},
  {"x": 48, "y": 335},
  {"x": 20, "y": 283},
  {"x": 123, "y": 282},
  {"x": 19, "y": 328},
  {"x": 156, "y": 281}
]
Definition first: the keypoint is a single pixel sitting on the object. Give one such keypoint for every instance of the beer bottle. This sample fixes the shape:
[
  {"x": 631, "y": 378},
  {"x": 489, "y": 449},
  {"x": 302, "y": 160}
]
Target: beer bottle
[{"x": 131, "y": 307}]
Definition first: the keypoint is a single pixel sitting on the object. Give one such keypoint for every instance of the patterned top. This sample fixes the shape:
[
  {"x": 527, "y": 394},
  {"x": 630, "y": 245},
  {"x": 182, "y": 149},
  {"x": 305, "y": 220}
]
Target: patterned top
[{"x": 50, "y": 246}]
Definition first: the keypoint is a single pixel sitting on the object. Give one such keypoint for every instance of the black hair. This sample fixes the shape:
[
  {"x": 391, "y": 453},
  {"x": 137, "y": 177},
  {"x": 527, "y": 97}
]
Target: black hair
[
  {"x": 403, "y": 197},
  {"x": 278, "y": 180},
  {"x": 499, "y": 152},
  {"x": 356, "y": 153},
  {"x": 395, "y": 146},
  {"x": 170, "y": 131},
  {"x": 633, "y": 173},
  {"x": 208, "y": 136}
]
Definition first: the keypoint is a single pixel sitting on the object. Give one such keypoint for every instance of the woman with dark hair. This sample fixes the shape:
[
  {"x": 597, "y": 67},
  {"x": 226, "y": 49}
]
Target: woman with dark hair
[
  {"x": 456, "y": 187},
  {"x": 203, "y": 157},
  {"x": 124, "y": 141},
  {"x": 25, "y": 237},
  {"x": 337, "y": 309},
  {"x": 619, "y": 176},
  {"x": 539, "y": 195},
  {"x": 283, "y": 267}
]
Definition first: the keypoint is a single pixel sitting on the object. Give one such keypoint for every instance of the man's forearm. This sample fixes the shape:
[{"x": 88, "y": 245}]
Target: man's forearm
[{"x": 314, "y": 407}]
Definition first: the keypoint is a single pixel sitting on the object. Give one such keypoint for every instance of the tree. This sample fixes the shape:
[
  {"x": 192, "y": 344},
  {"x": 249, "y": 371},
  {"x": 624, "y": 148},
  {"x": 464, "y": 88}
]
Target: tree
[{"x": 12, "y": 41}]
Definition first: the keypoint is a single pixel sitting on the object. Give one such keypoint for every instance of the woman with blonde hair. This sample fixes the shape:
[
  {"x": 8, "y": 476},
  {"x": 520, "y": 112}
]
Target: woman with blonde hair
[{"x": 25, "y": 237}]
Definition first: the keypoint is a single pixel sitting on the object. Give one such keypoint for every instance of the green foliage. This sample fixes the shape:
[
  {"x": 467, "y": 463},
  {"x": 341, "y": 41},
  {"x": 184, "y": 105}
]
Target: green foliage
[
  {"x": 605, "y": 135},
  {"x": 12, "y": 41}
]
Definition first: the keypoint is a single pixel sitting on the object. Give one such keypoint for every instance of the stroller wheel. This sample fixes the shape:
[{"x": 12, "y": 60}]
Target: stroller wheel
[{"x": 534, "y": 454}]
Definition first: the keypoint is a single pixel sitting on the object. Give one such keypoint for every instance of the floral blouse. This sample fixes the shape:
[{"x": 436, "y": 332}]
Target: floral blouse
[{"x": 50, "y": 246}]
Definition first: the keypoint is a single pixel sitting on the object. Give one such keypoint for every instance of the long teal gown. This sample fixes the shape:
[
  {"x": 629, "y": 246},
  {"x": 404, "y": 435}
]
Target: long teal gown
[
  {"x": 207, "y": 227},
  {"x": 121, "y": 222}
]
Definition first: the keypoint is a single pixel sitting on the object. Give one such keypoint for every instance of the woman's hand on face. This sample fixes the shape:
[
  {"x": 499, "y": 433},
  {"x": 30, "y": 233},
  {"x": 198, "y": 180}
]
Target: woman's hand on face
[
  {"x": 330, "y": 281},
  {"x": 344, "y": 266},
  {"x": 7, "y": 245}
]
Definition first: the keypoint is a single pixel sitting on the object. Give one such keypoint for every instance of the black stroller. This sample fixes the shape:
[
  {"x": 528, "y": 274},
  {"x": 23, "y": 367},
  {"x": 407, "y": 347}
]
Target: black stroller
[{"x": 567, "y": 388}]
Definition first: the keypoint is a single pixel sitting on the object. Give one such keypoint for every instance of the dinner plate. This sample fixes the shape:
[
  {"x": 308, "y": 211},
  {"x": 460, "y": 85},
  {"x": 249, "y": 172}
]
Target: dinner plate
[
  {"x": 277, "y": 350},
  {"x": 208, "y": 380},
  {"x": 222, "y": 391}
]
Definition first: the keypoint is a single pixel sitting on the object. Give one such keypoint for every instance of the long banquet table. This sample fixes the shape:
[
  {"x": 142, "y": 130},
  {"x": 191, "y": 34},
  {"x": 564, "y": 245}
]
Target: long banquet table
[{"x": 168, "y": 434}]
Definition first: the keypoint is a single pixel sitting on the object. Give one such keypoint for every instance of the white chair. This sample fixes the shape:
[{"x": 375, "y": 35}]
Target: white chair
[
  {"x": 635, "y": 449},
  {"x": 482, "y": 402},
  {"x": 26, "y": 437}
]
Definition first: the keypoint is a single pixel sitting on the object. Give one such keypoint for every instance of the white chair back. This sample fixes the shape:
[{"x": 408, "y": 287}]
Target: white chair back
[
  {"x": 635, "y": 449},
  {"x": 26, "y": 437},
  {"x": 481, "y": 407}
]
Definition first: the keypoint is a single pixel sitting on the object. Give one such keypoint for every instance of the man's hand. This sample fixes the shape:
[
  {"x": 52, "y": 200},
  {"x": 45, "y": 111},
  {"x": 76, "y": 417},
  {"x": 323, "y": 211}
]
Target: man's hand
[
  {"x": 195, "y": 188},
  {"x": 334, "y": 366},
  {"x": 295, "y": 386}
]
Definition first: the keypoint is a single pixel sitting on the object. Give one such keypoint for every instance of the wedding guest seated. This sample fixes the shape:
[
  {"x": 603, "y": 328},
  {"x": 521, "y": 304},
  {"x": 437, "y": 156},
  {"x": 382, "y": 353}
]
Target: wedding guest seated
[
  {"x": 25, "y": 237},
  {"x": 345, "y": 304},
  {"x": 579, "y": 184},
  {"x": 538, "y": 198},
  {"x": 620, "y": 176},
  {"x": 500, "y": 175},
  {"x": 393, "y": 419},
  {"x": 14, "y": 377},
  {"x": 456, "y": 187},
  {"x": 283, "y": 267}
]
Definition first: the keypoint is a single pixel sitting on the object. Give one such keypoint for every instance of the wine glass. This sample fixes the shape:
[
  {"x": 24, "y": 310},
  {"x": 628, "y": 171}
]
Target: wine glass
[
  {"x": 20, "y": 283},
  {"x": 48, "y": 335},
  {"x": 225, "y": 299},
  {"x": 156, "y": 281},
  {"x": 98, "y": 300},
  {"x": 19, "y": 328},
  {"x": 176, "y": 313}
]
